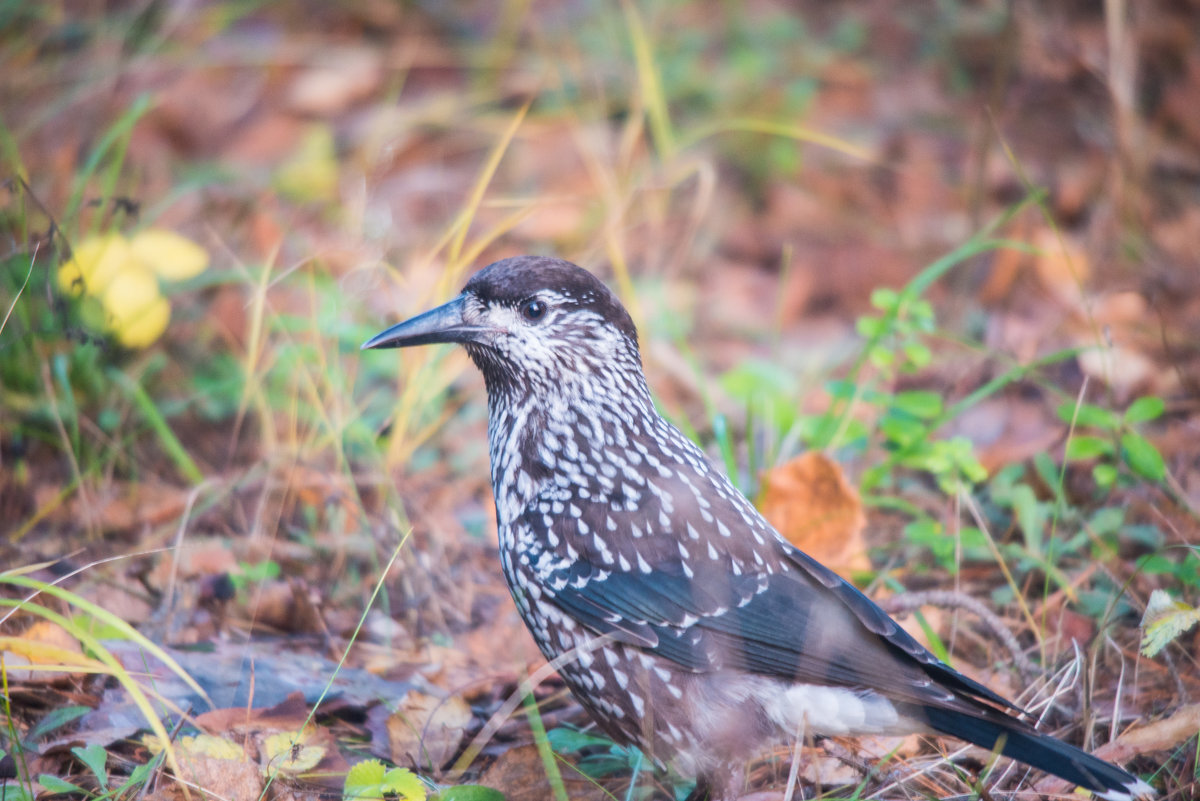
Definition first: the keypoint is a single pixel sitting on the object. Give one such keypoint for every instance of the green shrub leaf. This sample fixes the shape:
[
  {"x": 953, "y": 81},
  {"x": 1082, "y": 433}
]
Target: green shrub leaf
[
  {"x": 96, "y": 759},
  {"x": 1143, "y": 409},
  {"x": 1084, "y": 447},
  {"x": 1105, "y": 475},
  {"x": 1142, "y": 457},
  {"x": 1088, "y": 415},
  {"x": 918, "y": 403}
]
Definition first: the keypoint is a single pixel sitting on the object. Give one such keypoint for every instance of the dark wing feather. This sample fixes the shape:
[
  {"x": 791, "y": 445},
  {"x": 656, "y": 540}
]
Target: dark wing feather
[
  {"x": 795, "y": 629},
  {"x": 779, "y": 613}
]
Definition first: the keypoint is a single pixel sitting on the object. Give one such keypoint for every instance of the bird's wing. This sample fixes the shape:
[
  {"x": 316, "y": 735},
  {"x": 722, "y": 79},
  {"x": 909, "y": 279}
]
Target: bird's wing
[{"x": 708, "y": 600}]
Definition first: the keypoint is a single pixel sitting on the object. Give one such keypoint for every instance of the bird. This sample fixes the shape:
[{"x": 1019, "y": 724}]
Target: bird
[{"x": 677, "y": 616}]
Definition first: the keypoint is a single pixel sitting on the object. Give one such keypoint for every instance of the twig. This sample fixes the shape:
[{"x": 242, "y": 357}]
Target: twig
[{"x": 955, "y": 600}]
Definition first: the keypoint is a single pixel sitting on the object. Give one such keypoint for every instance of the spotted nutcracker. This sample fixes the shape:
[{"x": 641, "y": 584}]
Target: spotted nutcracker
[{"x": 681, "y": 620}]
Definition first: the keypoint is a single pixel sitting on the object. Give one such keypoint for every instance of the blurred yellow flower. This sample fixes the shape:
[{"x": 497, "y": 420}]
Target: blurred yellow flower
[
  {"x": 124, "y": 276},
  {"x": 137, "y": 312},
  {"x": 168, "y": 254},
  {"x": 94, "y": 263}
]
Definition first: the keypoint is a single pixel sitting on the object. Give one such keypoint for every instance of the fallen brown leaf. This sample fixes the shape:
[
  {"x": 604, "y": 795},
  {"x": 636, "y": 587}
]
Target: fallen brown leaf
[
  {"x": 1162, "y": 735},
  {"x": 40, "y": 653},
  {"x": 1122, "y": 368},
  {"x": 810, "y": 502},
  {"x": 521, "y": 776},
  {"x": 425, "y": 731},
  {"x": 221, "y": 778}
]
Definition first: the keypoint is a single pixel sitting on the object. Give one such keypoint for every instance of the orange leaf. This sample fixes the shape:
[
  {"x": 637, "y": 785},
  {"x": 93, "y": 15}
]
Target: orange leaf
[{"x": 810, "y": 502}]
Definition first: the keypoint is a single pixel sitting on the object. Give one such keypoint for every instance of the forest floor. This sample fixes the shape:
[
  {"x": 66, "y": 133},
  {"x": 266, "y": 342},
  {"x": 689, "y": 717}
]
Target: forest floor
[{"x": 924, "y": 278}]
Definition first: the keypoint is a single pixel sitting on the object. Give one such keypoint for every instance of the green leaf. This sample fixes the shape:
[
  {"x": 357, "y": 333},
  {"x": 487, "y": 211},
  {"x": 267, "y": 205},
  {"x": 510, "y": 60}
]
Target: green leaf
[
  {"x": 919, "y": 403},
  {"x": 962, "y": 451},
  {"x": 56, "y": 719},
  {"x": 1105, "y": 475},
  {"x": 924, "y": 530},
  {"x": 57, "y": 785},
  {"x": 1142, "y": 457},
  {"x": 881, "y": 357},
  {"x": 933, "y": 458},
  {"x": 932, "y": 535},
  {"x": 1084, "y": 447},
  {"x": 1107, "y": 520},
  {"x": 569, "y": 741},
  {"x": 469, "y": 792},
  {"x": 404, "y": 783},
  {"x": 138, "y": 775},
  {"x": 885, "y": 299},
  {"x": 1031, "y": 516},
  {"x": 363, "y": 780},
  {"x": 1001, "y": 485},
  {"x": 1165, "y": 620},
  {"x": 869, "y": 327},
  {"x": 1147, "y": 535},
  {"x": 1156, "y": 563},
  {"x": 1143, "y": 409},
  {"x": 1089, "y": 415},
  {"x": 841, "y": 389},
  {"x": 902, "y": 430},
  {"x": 14, "y": 792},
  {"x": 371, "y": 779},
  {"x": 96, "y": 759},
  {"x": 917, "y": 354},
  {"x": 1047, "y": 471}
]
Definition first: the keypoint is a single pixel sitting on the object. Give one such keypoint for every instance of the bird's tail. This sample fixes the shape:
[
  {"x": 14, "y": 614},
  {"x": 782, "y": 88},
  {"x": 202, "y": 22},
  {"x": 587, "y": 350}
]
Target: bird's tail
[{"x": 1017, "y": 741}]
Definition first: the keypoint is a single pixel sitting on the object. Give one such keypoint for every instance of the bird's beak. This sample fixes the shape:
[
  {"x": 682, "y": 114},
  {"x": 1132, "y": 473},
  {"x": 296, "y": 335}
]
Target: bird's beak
[{"x": 443, "y": 324}]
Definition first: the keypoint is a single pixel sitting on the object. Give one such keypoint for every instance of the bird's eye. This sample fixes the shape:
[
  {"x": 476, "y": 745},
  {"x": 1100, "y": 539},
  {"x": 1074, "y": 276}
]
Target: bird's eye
[{"x": 533, "y": 310}]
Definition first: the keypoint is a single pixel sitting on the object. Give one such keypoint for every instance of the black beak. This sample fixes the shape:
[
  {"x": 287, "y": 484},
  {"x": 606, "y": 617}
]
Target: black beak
[{"x": 443, "y": 324}]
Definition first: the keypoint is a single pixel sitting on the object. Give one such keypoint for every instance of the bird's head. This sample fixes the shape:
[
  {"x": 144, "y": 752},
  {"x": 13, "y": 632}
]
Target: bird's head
[{"x": 530, "y": 324}]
